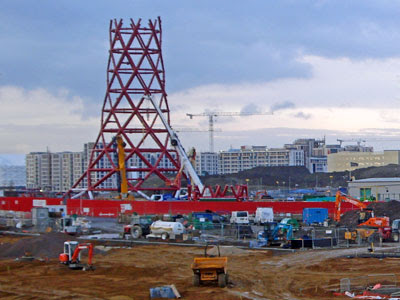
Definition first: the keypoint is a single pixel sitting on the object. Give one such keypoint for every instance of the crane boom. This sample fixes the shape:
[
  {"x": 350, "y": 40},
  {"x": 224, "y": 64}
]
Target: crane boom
[
  {"x": 212, "y": 115},
  {"x": 178, "y": 146},
  {"x": 122, "y": 180},
  {"x": 225, "y": 114}
]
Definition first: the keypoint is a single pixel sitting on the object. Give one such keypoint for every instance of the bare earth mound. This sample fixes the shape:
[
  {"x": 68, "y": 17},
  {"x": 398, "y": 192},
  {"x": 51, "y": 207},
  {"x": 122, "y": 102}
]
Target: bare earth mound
[
  {"x": 46, "y": 245},
  {"x": 389, "y": 209}
]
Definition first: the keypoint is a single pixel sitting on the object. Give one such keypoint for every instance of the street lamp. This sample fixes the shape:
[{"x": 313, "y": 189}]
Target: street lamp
[
  {"x": 352, "y": 164},
  {"x": 330, "y": 188}
]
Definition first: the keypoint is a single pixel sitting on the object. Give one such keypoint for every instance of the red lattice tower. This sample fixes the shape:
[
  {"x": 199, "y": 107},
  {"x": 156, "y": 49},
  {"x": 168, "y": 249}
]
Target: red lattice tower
[{"x": 135, "y": 69}]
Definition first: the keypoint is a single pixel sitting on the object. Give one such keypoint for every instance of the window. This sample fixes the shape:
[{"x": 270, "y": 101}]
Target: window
[{"x": 365, "y": 193}]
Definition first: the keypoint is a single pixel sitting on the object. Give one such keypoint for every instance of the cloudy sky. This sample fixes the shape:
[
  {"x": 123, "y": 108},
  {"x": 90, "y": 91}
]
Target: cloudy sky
[{"x": 325, "y": 68}]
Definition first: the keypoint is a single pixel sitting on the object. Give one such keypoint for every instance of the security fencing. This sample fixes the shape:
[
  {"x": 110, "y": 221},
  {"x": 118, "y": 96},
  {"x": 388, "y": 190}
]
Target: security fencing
[
  {"x": 311, "y": 237},
  {"x": 15, "y": 219},
  {"x": 362, "y": 283},
  {"x": 22, "y": 220},
  {"x": 340, "y": 237}
]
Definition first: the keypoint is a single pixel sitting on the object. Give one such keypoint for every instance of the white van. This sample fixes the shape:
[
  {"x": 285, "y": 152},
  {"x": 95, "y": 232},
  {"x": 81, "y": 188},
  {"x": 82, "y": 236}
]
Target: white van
[
  {"x": 264, "y": 215},
  {"x": 240, "y": 217}
]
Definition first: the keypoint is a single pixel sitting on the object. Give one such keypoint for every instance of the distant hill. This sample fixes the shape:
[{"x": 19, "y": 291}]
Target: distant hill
[{"x": 282, "y": 177}]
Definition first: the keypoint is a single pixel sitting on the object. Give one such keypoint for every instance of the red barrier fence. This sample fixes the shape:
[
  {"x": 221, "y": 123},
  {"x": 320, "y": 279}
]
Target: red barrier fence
[{"x": 111, "y": 208}]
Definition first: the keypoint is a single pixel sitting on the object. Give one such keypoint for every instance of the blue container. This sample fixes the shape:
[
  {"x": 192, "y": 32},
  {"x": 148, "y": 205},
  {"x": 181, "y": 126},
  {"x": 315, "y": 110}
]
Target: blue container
[{"x": 314, "y": 215}]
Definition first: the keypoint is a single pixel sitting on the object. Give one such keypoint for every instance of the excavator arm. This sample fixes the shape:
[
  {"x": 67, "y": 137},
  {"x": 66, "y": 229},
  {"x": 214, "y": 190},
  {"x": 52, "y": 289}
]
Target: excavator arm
[
  {"x": 340, "y": 197},
  {"x": 78, "y": 250}
]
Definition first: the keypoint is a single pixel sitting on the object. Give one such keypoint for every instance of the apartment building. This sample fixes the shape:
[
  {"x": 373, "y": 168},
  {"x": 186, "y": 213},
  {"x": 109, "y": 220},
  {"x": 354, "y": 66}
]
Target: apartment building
[
  {"x": 318, "y": 164},
  {"x": 349, "y": 160},
  {"x": 55, "y": 172},
  {"x": 207, "y": 163},
  {"x": 78, "y": 167},
  {"x": 62, "y": 170},
  {"x": 38, "y": 171},
  {"x": 59, "y": 171},
  {"x": 229, "y": 161},
  {"x": 284, "y": 157},
  {"x": 248, "y": 157}
]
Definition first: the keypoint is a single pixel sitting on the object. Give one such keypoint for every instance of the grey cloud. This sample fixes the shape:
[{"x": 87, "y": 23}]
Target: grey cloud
[
  {"x": 199, "y": 44},
  {"x": 250, "y": 108},
  {"x": 282, "y": 106},
  {"x": 302, "y": 115},
  {"x": 28, "y": 138}
]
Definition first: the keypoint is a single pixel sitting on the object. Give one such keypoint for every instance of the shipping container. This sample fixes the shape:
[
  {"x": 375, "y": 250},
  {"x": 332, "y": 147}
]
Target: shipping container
[{"x": 314, "y": 215}]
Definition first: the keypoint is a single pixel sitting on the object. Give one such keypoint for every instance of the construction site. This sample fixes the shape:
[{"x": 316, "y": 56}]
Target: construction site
[
  {"x": 116, "y": 235},
  {"x": 203, "y": 255},
  {"x": 130, "y": 272}
]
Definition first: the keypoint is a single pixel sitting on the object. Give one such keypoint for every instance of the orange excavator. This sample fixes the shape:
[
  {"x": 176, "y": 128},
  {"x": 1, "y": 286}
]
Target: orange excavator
[
  {"x": 72, "y": 255},
  {"x": 366, "y": 218},
  {"x": 340, "y": 197}
]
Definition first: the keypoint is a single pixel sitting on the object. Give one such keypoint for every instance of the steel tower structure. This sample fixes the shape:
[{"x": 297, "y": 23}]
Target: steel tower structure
[{"x": 135, "y": 70}]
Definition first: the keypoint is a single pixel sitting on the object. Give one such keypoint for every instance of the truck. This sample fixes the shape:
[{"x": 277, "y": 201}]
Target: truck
[
  {"x": 165, "y": 230},
  {"x": 210, "y": 269},
  {"x": 314, "y": 215},
  {"x": 396, "y": 230},
  {"x": 139, "y": 226},
  {"x": 240, "y": 217},
  {"x": 264, "y": 215}
]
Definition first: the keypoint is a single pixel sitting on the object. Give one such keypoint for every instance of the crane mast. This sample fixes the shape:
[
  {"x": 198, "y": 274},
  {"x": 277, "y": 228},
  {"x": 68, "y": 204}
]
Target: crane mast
[{"x": 211, "y": 117}]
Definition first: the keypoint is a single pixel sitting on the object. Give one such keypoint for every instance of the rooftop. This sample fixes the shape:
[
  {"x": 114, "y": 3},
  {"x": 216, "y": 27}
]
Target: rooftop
[{"x": 389, "y": 179}]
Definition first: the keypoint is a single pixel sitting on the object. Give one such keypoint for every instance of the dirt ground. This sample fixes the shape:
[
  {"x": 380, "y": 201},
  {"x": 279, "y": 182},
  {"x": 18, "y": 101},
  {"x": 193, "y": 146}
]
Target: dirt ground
[
  {"x": 129, "y": 274},
  {"x": 9, "y": 239}
]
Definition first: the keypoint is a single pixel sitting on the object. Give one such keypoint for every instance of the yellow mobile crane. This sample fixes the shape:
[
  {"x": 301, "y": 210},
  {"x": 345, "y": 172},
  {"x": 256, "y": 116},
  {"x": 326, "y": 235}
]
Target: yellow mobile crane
[{"x": 122, "y": 181}]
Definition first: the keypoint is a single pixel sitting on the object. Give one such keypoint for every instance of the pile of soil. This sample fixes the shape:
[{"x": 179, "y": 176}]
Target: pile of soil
[
  {"x": 350, "y": 218},
  {"x": 46, "y": 245},
  {"x": 389, "y": 209}
]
